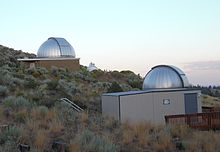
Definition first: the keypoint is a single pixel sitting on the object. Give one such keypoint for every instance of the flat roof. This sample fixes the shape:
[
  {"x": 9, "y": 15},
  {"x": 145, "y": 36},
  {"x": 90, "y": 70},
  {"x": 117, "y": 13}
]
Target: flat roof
[
  {"x": 148, "y": 91},
  {"x": 47, "y": 59}
]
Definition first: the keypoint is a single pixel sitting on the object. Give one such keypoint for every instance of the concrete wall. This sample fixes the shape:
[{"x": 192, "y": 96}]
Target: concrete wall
[
  {"x": 110, "y": 106},
  {"x": 137, "y": 107}
]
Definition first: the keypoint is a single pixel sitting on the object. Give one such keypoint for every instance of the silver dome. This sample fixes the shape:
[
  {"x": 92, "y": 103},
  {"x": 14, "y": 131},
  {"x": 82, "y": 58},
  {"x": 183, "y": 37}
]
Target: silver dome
[
  {"x": 165, "y": 76},
  {"x": 55, "y": 47}
]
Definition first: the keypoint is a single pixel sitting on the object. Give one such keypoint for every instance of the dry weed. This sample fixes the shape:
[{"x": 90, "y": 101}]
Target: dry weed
[{"x": 41, "y": 139}]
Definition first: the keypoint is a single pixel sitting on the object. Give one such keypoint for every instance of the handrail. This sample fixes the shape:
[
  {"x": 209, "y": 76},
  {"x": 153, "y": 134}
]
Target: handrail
[{"x": 72, "y": 104}]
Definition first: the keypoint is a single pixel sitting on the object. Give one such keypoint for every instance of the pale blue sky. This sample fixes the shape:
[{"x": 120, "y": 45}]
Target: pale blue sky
[{"x": 122, "y": 34}]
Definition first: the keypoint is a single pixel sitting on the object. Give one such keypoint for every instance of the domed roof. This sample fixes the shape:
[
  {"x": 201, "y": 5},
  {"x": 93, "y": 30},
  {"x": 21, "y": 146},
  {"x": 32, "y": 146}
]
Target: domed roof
[
  {"x": 165, "y": 76},
  {"x": 55, "y": 47},
  {"x": 91, "y": 67}
]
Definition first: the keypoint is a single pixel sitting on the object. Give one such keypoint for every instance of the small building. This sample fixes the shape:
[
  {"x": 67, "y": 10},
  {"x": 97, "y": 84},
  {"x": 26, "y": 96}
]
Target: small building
[
  {"x": 54, "y": 52},
  {"x": 166, "y": 91},
  {"x": 92, "y": 67}
]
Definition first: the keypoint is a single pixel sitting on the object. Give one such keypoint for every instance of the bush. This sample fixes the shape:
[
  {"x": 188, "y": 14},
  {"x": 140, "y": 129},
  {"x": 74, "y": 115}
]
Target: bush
[
  {"x": 17, "y": 102},
  {"x": 97, "y": 73},
  {"x": 11, "y": 134},
  {"x": 90, "y": 142},
  {"x": 51, "y": 85},
  {"x": 43, "y": 111},
  {"x": 3, "y": 90},
  {"x": 66, "y": 113},
  {"x": 21, "y": 116},
  {"x": 115, "y": 87},
  {"x": 135, "y": 83},
  {"x": 8, "y": 146},
  {"x": 68, "y": 88},
  {"x": 54, "y": 71},
  {"x": 31, "y": 82},
  {"x": 117, "y": 75}
]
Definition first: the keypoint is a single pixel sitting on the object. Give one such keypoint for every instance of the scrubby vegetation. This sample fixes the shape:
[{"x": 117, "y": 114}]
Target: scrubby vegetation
[{"x": 31, "y": 113}]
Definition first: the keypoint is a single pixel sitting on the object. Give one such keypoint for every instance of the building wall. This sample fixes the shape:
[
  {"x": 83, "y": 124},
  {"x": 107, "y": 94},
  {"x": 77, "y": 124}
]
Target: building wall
[
  {"x": 71, "y": 65},
  {"x": 175, "y": 106},
  {"x": 137, "y": 107},
  {"x": 149, "y": 107},
  {"x": 110, "y": 106}
]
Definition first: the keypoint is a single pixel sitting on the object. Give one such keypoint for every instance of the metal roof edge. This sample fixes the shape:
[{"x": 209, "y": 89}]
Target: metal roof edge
[
  {"x": 149, "y": 91},
  {"x": 48, "y": 59}
]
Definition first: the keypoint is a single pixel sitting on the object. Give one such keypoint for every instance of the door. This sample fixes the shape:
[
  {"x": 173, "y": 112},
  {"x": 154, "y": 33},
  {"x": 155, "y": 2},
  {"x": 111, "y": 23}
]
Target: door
[{"x": 191, "y": 105}]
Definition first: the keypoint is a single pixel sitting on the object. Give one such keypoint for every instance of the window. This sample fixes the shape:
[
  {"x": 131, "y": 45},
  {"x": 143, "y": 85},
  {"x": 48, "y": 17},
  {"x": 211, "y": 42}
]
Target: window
[{"x": 166, "y": 101}]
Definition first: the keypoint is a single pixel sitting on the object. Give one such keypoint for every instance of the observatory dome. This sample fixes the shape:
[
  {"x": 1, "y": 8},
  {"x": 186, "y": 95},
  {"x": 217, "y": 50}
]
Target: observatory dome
[
  {"x": 55, "y": 47},
  {"x": 91, "y": 67},
  {"x": 164, "y": 77}
]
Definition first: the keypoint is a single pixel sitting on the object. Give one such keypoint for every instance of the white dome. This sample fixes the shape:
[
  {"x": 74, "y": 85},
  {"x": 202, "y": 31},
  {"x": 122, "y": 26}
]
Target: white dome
[
  {"x": 91, "y": 67},
  {"x": 55, "y": 47},
  {"x": 164, "y": 76}
]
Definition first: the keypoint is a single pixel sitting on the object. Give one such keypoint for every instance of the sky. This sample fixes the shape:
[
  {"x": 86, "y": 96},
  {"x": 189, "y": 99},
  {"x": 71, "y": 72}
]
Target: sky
[{"x": 122, "y": 34}]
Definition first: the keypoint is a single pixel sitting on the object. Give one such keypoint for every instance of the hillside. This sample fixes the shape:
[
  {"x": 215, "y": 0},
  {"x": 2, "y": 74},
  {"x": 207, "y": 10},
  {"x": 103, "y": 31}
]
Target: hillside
[
  {"x": 30, "y": 105},
  {"x": 210, "y": 101}
]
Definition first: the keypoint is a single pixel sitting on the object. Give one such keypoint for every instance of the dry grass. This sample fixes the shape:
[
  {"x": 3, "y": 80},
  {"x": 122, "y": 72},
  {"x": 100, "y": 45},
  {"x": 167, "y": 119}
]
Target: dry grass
[
  {"x": 51, "y": 114},
  {"x": 127, "y": 134},
  {"x": 164, "y": 143},
  {"x": 36, "y": 114},
  {"x": 56, "y": 128},
  {"x": 207, "y": 100},
  {"x": 142, "y": 131},
  {"x": 206, "y": 141},
  {"x": 74, "y": 147},
  {"x": 41, "y": 139},
  {"x": 181, "y": 131},
  {"x": 84, "y": 119},
  {"x": 127, "y": 137},
  {"x": 2, "y": 115}
]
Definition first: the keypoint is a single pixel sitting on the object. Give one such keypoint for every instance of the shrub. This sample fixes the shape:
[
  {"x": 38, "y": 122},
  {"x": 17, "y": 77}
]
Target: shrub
[
  {"x": 11, "y": 134},
  {"x": 31, "y": 82},
  {"x": 8, "y": 146},
  {"x": 68, "y": 88},
  {"x": 43, "y": 111},
  {"x": 135, "y": 83},
  {"x": 66, "y": 113},
  {"x": 21, "y": 116},
  {"x": 115, "y": 87},
  {"x": 39, "y": 112},
  {"x": 54, "y": 71},
  {"x": 90, "y": 142},
  {"x": 97, "y": 73},
  {"x": 117, "y": 75},
  {"x": 3, "y": 90},
  {"x": 51, "y": 85},
  {"x": 17, "y": 102}
]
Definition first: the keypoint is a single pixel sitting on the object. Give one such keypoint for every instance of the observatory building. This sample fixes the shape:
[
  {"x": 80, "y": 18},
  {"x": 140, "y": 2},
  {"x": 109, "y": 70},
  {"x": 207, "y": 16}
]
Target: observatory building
[
  {"x": 54, "y": 52},
  {"x": 92, "y": 67},
  {"x": 165, "y": 92}
]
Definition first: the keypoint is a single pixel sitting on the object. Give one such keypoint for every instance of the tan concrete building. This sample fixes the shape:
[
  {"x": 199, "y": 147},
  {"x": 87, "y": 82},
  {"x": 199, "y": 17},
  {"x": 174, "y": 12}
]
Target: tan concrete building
[
  {"x": 54, "y": 52},
  {"x": 165, "y": 92}
]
